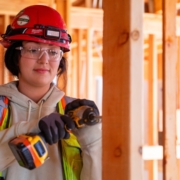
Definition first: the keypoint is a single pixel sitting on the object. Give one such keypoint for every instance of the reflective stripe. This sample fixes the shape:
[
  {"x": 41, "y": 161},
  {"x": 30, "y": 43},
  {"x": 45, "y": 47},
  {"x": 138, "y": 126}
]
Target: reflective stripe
[
  {"x": 72, "y": 160},
  {"x": 4, "y": 111},
  {"x": 61, "y": 105},
  {"x": 71, "y": 152}
]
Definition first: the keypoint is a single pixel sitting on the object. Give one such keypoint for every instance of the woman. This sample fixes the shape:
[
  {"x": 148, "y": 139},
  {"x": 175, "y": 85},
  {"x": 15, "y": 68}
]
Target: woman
[{"x": 35, "y": 42}]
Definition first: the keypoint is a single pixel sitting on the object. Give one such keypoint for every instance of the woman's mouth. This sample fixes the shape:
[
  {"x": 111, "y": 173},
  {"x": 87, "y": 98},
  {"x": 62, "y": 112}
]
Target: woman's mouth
[{"x": 41, "y": 70}]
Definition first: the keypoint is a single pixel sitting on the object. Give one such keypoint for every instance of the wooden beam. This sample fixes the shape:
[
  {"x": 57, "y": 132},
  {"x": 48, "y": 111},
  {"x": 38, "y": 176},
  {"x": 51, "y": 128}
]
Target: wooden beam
[
  {"x": 84, "y": 18},
  {"x": 153, "y": 24},
  {"x": 156, "y": 152},
  {"x": 122, "y": 90},
  {"x": 178, "y": 76},
  {"x": 1, "y": 64},
  {"x": 157, "y": 6},
  {"x": 152, "y": 153},
  {"x": 17, "y": 5},
  {"x": 88, "y": 3},
  {"x": 151, "y": 6},
  {"x": 63, "y": 7},
  {"x": 89, "y": 64},
  {"x": 80, "y": 89},
  {"x": 72, "y": 65},
  {"x": 170, "y": 165},
  {"x": 152, "y": 104}
]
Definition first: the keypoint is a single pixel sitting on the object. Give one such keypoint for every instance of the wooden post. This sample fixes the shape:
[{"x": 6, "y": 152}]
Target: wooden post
[
  {"x": 88, "y": 3},
  {"x": 79, "y": 63},
  {"x": 157, "y": 5},
  {"x": 63, "y": 7},
  {"x": 89, "y": 64},
  {"x": 1, "y": 64},
  {"x": 178, "y": 76},
  {"x": 152, "y": 105},
  {"x": 122, "y": 89},
  {"x": 170, "y": 170}
]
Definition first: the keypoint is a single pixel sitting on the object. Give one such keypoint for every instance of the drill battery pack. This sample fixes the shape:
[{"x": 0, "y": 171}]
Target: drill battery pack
[{"x": 29, "y": 150}]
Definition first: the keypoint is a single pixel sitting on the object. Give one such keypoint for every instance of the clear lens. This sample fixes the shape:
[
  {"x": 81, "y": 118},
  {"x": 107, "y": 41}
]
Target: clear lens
[{"x": 36, "y": 53}]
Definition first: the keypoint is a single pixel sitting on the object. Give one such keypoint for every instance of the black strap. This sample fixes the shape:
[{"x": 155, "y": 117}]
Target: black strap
[{"x": 12, "y": 32}]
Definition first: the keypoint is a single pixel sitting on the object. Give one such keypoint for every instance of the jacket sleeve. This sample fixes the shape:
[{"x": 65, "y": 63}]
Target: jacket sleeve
[
  {"x": 90, "y": 140},
  {"x": 22, "y": 127}
]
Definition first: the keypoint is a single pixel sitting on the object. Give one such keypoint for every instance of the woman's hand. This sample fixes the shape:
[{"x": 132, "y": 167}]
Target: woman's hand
[
  {"x": 81, "y": 102},
  {"x": 55, "y": 127}
]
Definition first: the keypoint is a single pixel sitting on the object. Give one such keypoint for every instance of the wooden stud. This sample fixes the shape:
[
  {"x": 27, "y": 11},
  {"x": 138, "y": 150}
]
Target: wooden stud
[
  {"x": 158, "y": 5},
  {"x": 89, "y": 65},
  {"x": 1, "y": 64},
  {"x": 151, "y": 6},
  {"x": 88, "y": 3},
  {"x": 122, "y": 90},
  {"x": 152, "y": 104},
  {"x": 79, "y": 75},
  {"x": 170, "y": 170},
  {"x": 178, "y": 76},
  {"x": 63, "y": 7},
  {"x": 178, "y": 103}
]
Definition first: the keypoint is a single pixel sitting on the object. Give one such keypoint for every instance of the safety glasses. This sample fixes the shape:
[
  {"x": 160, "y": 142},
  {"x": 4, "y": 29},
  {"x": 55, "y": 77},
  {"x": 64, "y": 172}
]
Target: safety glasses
[{"x": 36, "y": 53}]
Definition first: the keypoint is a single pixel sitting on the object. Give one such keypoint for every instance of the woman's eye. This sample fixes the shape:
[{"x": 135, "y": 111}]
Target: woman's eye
[
  {"x": 33, "y": 51},
  {"x": 53, "y": 52}
]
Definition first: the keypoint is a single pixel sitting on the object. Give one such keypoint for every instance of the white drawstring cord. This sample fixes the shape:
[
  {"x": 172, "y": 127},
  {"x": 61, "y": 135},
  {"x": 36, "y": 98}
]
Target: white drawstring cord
[
  {"x": 40, "y": 109},
  {"x": 29, "y": 110},
  {"x": 28, "y": 116}
]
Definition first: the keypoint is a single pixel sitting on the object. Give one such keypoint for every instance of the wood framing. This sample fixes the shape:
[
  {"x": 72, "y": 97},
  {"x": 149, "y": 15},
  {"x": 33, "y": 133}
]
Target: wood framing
[
  {"x": 1, "y": 64},
  {"x": 123, "y": 26},
  {"x": 152, "y": 105},
  {"x": 170, "y": 170},
  {"x": 122, "y": 89}
]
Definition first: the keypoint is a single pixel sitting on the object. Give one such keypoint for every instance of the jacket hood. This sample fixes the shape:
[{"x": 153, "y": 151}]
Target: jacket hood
[{"x": 51, "y": 98}]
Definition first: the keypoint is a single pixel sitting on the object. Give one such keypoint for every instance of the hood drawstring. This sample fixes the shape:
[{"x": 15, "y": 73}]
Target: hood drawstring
[
  {"x": 40, "y": 109},
  {"x": 29, "y": 109},
  {"x": 28, "y": 115}
]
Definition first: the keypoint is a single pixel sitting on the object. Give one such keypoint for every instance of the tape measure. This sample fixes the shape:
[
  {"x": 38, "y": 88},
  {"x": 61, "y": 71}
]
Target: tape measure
[{"x": 29, "y": 150}]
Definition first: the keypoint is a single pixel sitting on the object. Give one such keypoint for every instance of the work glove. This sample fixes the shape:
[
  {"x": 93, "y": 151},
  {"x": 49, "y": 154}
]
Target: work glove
[
  {"x": 87, "y": 135},
  {"x": 81, "y": 102},
  {"x": 55, "y": 127}
]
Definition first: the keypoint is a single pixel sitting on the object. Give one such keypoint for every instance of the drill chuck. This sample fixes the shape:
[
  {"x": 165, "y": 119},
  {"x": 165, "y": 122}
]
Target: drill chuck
[{"x": 84, "y": 115}]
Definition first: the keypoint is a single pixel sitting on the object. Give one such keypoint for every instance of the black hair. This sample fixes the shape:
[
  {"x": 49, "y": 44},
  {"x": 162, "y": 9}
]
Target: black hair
[
  {"x": 12, "y": 57},
  {"x": 62, "y": 72}
]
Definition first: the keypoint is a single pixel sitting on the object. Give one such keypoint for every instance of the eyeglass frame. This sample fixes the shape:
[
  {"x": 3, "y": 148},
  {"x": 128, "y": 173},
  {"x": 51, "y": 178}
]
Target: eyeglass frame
[{"x": 41, "y": 50}]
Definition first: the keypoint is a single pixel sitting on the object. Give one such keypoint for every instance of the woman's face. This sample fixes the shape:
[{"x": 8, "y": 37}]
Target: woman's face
[{"x": 38, "y": 64}]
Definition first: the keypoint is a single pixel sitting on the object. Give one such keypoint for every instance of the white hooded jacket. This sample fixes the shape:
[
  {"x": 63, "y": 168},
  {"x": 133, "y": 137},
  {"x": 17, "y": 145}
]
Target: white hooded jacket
[{"x": 25, "y": 115}]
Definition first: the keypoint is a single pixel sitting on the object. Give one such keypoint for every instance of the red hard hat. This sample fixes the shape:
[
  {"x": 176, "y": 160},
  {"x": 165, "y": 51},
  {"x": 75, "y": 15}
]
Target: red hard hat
[{"x": 38, "y": 23}]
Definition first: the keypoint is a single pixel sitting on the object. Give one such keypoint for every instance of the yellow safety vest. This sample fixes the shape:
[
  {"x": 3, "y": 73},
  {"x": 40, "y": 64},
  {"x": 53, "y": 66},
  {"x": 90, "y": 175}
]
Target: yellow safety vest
[{"x": 70, "y": 148}]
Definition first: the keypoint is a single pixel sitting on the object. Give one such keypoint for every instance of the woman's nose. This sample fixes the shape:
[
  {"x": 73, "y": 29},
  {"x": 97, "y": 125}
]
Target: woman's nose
[
  {"x": 43, "y": 56},
  {"x": 42, "y": 52}
]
